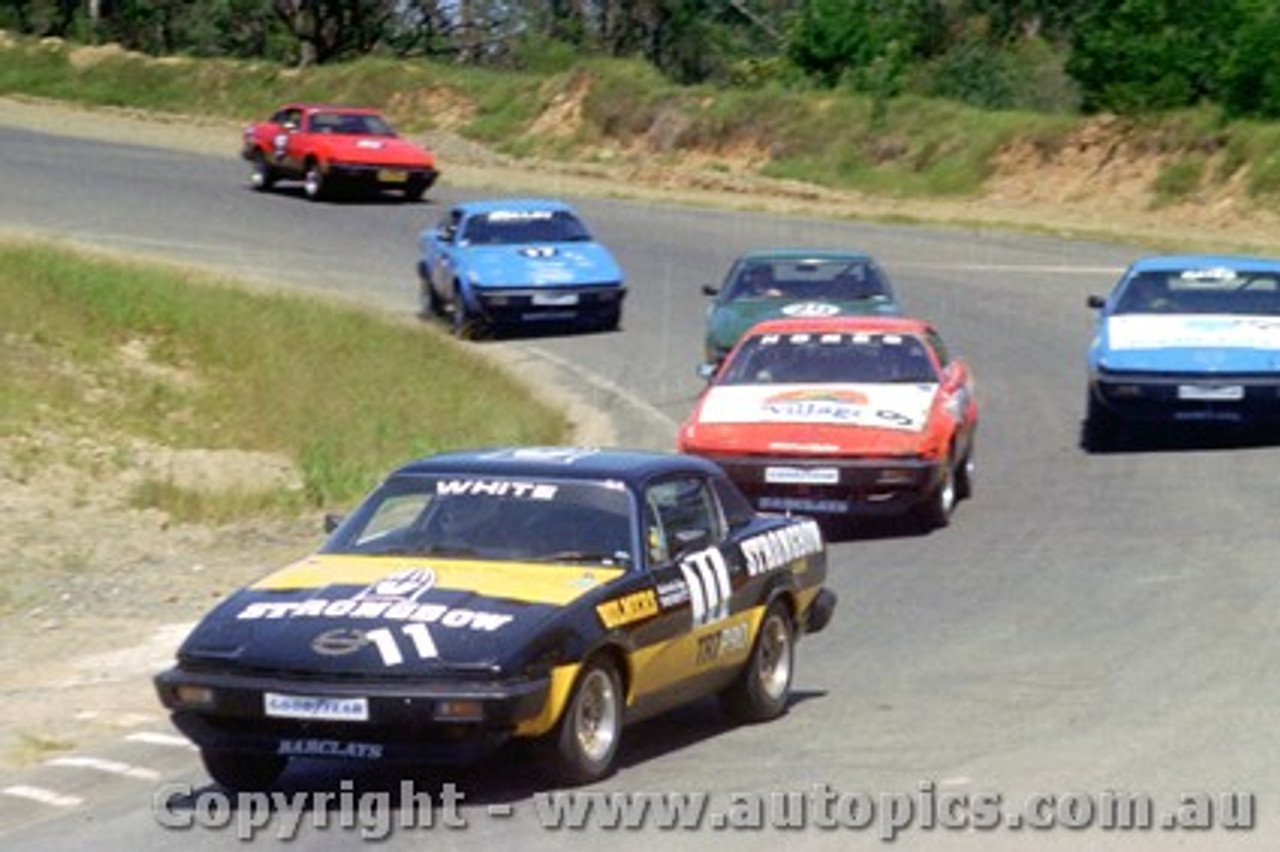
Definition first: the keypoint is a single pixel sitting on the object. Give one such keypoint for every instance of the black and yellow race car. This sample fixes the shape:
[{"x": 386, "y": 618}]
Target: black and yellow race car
[{"x": 474, "y": 597}]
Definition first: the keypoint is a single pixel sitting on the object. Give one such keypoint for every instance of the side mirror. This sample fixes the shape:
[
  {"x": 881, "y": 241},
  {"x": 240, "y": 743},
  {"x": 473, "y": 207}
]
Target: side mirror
[
  {"x": 1096, "y": 302},
  {"x": 332, "y": 522},
  {"x": 707, "y": 372},
  {"x": 708, "y": 290}
]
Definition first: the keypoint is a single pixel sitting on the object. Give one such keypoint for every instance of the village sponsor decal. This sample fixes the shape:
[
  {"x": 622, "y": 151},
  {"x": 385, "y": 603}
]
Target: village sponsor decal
[
  {"x": 841, "y": 407},
  {"x": 881, "y": 406}
]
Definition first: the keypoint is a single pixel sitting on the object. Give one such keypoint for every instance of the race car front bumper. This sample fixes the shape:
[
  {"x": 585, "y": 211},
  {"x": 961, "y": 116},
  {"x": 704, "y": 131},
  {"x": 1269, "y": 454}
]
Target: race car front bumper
[
  {"x": 420, "y": 721},
  {"x": 597, "y": 304},
  {"x": 1188, "y": 397},
  {"x": 871, "y": 486},
  {"x": 382, "y": 177}
]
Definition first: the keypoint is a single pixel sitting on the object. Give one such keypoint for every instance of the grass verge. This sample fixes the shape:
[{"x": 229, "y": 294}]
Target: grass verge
[{"x": 119, "y": 351}]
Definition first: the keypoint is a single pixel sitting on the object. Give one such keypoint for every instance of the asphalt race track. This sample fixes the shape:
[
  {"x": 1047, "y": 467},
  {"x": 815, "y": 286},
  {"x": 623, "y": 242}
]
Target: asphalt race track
[{"x": 1088, "y": 625}]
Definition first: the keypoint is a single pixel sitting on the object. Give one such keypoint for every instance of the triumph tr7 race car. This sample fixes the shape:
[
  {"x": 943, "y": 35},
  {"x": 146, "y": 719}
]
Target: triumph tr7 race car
[
  {"x": 517, "y": 262},
  {"x": 780, "y": 283},
  {"x": 1185, "y": 339},
  {"x": 330, "y": 148},
  {"x": 474, "y": 597},
  {"x": 840, "y": 417}
]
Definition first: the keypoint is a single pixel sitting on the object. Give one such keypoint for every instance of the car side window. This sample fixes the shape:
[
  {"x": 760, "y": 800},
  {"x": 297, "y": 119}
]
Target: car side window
[
  {"x": 449, "y": 225},
  {"x": 733, "y": 504},
  {"x": 939, "y": 349},
  {"x": 681, "y": 515}
]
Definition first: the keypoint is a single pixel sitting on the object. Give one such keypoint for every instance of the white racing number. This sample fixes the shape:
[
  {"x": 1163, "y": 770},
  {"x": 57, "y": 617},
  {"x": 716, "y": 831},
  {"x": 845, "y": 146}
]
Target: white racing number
[
  {"x": 707, "y": 576},
  {"x": 385, "y": 641}
]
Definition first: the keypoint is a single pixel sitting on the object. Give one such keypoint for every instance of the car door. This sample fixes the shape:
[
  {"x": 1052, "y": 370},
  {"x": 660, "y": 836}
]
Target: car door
[
  {"x": 286, "y": 121},
  {"x": 955, "y": 392},
  {"x": 696, "y": 639},
  {"x": 442, "y": 250}
]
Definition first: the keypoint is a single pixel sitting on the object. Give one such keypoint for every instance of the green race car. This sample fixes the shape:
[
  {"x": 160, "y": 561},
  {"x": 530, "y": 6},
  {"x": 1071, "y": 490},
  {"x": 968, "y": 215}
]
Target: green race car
[{"x": 798, "y": 282}]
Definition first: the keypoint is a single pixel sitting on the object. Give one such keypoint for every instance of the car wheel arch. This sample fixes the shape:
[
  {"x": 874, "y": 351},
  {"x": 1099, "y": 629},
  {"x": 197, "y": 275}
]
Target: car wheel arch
[
  {"x": 619, "y": 656},
  {"x": 784, "y": 594}
]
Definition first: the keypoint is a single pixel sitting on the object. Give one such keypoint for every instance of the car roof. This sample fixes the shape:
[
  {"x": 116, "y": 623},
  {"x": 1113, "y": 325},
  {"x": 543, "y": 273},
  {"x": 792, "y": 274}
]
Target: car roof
[
  {"x": 802, "y": 254},
  {"x": 585, "y": 463},
  {"x": 316, "y": 107},
  {"x": 1179, "y": 262},
  {"x": 842, "y": 324},
  {"x": 490, "y": 205}
]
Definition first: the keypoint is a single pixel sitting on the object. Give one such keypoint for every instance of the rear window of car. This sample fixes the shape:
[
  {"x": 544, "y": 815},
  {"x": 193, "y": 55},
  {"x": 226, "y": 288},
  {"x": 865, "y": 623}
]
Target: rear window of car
[{"x": 830, "y": 359}]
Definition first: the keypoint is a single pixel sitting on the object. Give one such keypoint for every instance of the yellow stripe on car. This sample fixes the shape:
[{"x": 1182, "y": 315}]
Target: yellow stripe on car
[
  {"x": 562, "y": 678},
  {"x": 657, "y": 666},
  {"x": 553, "y": 584}
]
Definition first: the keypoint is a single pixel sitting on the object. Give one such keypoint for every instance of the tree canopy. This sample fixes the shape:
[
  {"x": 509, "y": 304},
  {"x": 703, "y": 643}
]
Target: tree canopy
[{"x": 1127, "y": 56}]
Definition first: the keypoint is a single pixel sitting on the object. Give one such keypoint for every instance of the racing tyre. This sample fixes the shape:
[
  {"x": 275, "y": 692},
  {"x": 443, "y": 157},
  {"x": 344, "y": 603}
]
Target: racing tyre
[
  {"x": 414, "y": 190},
  {"x": 964, "y": 476},
  {"x": 586, "y": 741},
  {"x": 935, "y": 512},
  {"x": 466, "y": 325},
  {"x": 262, "y": 177},
  {"x": 763, "y": 688},
  {"x": 1100, "y": 427},
  {"x": 239, "y": 770},
  {"x": 313, "y": 183},
  {"x": 610, "y": 320},
  {"x": 429, "y": 303}
]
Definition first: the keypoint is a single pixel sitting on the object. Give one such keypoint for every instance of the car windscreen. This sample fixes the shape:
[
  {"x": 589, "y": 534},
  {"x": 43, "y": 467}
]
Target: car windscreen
[
  {"x": 476, "y": 517},
  {"x": 1200, "y": 291},
  {"x": 515, "y": 227},
  {"x": 829, "y": 359},
  {"x": 838, "y": 279}
]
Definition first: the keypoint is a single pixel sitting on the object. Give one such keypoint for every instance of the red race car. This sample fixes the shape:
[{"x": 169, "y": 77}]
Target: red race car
[
  {"x": 328, "y": 147},
  {"x": 841, "y": 416}
]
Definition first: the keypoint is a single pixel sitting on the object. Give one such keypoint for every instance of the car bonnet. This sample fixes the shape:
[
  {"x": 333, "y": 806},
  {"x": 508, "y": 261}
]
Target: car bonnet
[
  {"x": 731, "y": 320},
  {"x": 543, "y": 264},
  {"x": 394, "y": 616}
]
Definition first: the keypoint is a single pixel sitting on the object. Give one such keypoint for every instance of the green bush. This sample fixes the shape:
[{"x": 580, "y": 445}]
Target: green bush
[{"x": 1180, "y": 179}]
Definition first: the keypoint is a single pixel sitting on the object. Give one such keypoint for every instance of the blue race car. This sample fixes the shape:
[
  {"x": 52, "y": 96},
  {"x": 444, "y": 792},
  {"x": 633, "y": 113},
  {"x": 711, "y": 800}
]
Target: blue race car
[
  {"x": 517, "y": 261},
  {"x": 1185, "y": 339}
]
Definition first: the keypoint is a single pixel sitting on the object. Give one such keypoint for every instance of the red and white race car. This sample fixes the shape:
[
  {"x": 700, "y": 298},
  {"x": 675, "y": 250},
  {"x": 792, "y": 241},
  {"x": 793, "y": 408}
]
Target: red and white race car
[
  {"x": 841, "y": 416},
  {"x": 332, "y": 147}
]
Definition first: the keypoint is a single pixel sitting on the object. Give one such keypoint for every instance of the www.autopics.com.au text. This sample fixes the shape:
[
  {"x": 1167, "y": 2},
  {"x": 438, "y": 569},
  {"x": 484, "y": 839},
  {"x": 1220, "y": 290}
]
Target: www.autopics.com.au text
[{"x": 375, "y": 815}]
